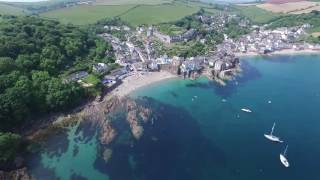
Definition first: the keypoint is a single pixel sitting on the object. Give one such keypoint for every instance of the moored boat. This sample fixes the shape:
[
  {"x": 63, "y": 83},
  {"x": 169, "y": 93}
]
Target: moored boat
[
  {"x": 283, "y": 158},
  {"x": 246, "y": 110},
  {"x": 271, "y": 137}
]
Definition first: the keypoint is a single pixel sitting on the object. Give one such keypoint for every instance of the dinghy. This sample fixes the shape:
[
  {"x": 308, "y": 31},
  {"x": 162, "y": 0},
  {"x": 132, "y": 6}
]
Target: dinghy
[{"x": 246, "y": 110}]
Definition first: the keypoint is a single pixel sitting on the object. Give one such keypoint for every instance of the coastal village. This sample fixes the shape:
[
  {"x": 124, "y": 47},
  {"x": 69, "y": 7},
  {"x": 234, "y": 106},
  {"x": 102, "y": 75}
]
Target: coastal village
[
  {"x": 136, "y": 55},
  {"x": 69, "y": 85},
  {"x": 137, "y": 60}
]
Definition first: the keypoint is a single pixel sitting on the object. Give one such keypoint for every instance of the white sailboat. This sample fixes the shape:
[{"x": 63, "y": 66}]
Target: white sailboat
[
  {"x": 283, "y": 158},
  {"x": 246, "y": 110},
  {"x": 271, "y": 137}
]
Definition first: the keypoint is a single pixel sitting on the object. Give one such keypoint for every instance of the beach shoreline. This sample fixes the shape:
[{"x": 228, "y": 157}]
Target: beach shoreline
[
  {"x": 281, "y": 52},
  {"x": 139, "y": 80}
]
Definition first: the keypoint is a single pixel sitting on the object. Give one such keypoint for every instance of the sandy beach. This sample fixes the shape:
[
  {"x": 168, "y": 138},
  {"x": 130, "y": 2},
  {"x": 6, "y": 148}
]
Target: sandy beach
[
  {"x": 281, "y": 52},
  {"x": 137, "y": 81}
]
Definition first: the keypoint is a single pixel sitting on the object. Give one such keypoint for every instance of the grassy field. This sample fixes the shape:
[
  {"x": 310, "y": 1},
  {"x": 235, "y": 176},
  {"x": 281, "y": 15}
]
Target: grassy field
[
  {"x": 145, "y": 14},
  {"x": 256, "y": 14},
  {"x": 292, "y": 7},
  {"x": 136, "y": 2},
  {"x": 133, "y": 14},
  {"x": 11, "y": 10},
  {"x": 86, "y": 14}
]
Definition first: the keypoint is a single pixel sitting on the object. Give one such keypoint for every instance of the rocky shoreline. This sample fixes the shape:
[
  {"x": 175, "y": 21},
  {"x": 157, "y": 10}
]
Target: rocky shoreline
[
  {"x": 19, "y": 174},
  {"x": 96, "y": 114}
]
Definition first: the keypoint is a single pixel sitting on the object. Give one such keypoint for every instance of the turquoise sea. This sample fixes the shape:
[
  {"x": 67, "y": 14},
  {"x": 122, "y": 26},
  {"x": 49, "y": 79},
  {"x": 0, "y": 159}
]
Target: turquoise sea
[{"x": 202, "y": 134}]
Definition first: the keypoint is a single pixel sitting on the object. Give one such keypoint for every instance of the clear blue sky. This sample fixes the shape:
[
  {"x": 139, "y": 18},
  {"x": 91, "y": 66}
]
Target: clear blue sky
[{"x": 22, "y": 0}]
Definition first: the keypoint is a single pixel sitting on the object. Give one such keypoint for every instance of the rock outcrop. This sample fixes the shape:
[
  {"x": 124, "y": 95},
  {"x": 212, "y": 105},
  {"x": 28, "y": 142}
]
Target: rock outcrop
[
  {"x": 107, "y": 154},
  {"x": 19, "y": 174},
  {"x": 145, "y": 114},
  {"x": 107, "y": 133},
  {"x": 136, "y": 128}
]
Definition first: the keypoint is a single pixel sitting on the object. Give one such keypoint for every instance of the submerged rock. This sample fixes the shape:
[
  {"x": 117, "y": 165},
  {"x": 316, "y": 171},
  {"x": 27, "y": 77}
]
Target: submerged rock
[
  {"x": 107, "y": 154},
  {"x": 19, "y": 174},
  {"x": 144, "y": 114},
  {"x": 136, "y": 129},
  {"x": 107, "y": 133}
]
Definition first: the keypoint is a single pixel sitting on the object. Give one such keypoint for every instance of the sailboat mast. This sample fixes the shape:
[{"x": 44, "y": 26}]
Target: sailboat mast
[
  {"x": 285, "y": 151},
  {"x": 274, "y": 124}
]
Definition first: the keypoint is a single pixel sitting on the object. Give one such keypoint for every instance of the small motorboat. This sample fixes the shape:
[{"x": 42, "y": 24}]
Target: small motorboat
[
  {"x": 246, "y": 110},
  {"x": 283, "y": 158},
  {"x": 271, "y": 137}
]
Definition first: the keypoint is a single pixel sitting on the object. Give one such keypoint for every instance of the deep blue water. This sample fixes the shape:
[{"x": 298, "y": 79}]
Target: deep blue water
[
  {"x": 201, "y": 133},
  {"x": 291, "y": 83}
]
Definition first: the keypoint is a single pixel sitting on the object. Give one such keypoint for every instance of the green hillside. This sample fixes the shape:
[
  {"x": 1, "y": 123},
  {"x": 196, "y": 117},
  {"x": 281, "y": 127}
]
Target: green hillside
[
  {"x": 86, "y": 14},
  {"x": 158, "y": 14},
  {"x": 11, "y": 10},
  {"x": 133, "y": 14}
]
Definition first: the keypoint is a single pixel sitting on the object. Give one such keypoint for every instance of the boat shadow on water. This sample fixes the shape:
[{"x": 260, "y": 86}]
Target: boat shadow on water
[{"x": 173, "y": 147}]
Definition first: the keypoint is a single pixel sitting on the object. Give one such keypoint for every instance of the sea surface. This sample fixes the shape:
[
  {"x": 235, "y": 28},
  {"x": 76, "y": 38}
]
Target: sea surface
[{"x": 202, "y": 134}]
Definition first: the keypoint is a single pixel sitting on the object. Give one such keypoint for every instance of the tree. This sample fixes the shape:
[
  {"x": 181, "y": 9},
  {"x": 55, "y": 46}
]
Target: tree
[
  {"x": 51, "y": 59},
  {"x": 6, "y": 65},
  {"x": 61, "y": 95},
  {"x": 9, "y": 145},
  {"x": 26, "y": 62},
  {"x": 35, "y": 56}
]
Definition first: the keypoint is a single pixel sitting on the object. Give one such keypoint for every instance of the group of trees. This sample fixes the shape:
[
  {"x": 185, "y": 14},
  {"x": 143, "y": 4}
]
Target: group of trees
[
  {"x": 33, "y": 54},
  {"x": 234, "y": 31},
  {"x": 212, "y": 37},
  {"x": 98, "y": 28},
  {"x": 312, "y": 18},
  {"x": 35, "y": 57},
  {"x": 189, "y": 22},
  {"x": 10, "y": 144}
]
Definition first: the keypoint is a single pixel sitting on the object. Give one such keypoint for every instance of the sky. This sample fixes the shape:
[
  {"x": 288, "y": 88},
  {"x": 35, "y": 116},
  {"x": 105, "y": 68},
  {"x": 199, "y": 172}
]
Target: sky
[
  {"x": 231, "y": 1},
  {"x": 22, "y": 0}
]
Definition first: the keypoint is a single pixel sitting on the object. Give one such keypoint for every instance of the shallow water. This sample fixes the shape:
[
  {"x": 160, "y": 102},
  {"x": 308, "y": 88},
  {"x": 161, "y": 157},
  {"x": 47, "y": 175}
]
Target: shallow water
[{"x": 201, "y": 133}]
